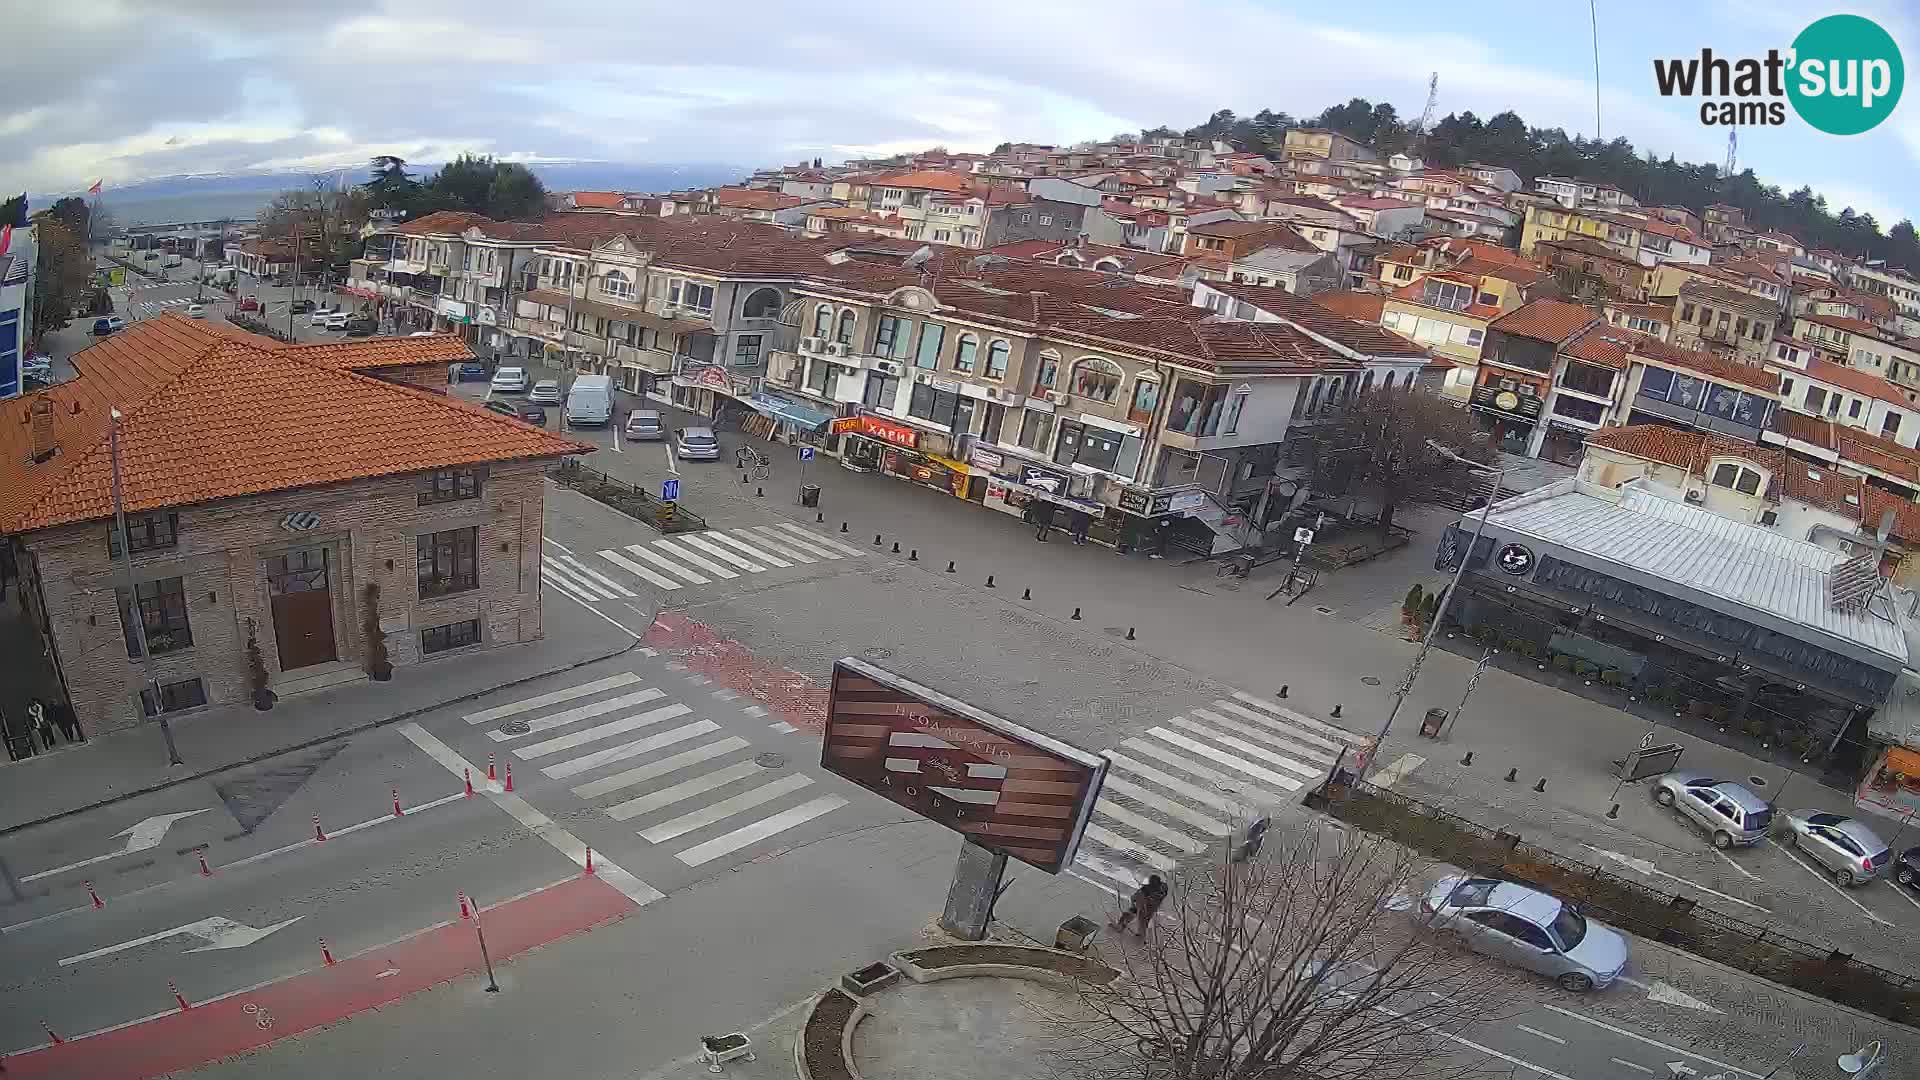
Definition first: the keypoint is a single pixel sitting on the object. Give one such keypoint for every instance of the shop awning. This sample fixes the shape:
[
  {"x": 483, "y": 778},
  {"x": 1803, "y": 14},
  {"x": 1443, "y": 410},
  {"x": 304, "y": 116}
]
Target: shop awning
[
  {"x": 790, "y": 412},
  {"x": 960, "y": 467}
]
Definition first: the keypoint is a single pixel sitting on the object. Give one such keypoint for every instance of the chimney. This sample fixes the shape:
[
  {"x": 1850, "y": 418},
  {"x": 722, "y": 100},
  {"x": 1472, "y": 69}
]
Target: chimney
[{"x": 41, "y": 419}]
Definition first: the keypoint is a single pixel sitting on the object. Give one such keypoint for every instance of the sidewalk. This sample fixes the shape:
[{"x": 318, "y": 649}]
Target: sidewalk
[{"x": 129, "y": 763}]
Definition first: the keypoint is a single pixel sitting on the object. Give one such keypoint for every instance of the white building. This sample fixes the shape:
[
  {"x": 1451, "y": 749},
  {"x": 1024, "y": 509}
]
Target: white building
[{"x": 16, "y": 307}]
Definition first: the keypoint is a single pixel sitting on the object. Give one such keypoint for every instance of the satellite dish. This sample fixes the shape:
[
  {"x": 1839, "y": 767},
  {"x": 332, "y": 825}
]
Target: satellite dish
[{"x": 919, "y": 258}]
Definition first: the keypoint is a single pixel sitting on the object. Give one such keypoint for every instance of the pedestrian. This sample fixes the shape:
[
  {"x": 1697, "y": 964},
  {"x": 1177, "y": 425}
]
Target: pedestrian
[
  {"x": 1145, "y": 904},
  {"x": 43, "y": 727},
  {"x": 1043, "y": 513},
  {"x": 1256, "y": 835},
  {"x": 1078, "y": 522},
  {"x": 1162, "y": 536},
  {"x": 67, "y": 722}
]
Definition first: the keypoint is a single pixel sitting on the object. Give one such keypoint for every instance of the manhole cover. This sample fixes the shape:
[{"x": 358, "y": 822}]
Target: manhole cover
[
  {"x": 1323, "y": 609},
  {"x": 1370, "y": 680},
  {"x": 770, "y": 760},
  {"x": 877, "y": 653},
  {"x": 515, "y": 727},
  {"x": 1757, "y": 781}
]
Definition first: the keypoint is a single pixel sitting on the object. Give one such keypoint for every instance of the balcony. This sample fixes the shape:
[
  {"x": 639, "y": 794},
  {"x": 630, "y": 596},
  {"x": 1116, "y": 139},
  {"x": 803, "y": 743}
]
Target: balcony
[
  {"x": 588, "y": 343},
  {"x": 654, "y": 360},
  {"x": 544, "y": 329}
]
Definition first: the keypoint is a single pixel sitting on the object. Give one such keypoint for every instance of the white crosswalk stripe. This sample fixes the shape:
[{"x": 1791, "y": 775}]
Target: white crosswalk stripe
[
  {"x": 1178, "y": 789},
  {"x": 779, "y": 544},
  {"x": 691, "y": 787},
  {"x": 660, "y": 561},
  {"x": 797, "y": 539},
  {"x": 645, "y": 574},
  {"x": 604, "y": 581},
  {"x": 722, "y": 553},
  {"x": 547, "y": 575},
  {"x": 748, "y": 550},
  {"x": 844, "y": 549},
  {"x": 695, "y": 559},
  {"x": 692, "y": 558},
  {"x": 558, "y": 572}
]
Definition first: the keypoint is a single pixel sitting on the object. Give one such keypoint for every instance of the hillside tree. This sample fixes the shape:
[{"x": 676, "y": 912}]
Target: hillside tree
[{"x": 1380, "y": 447}]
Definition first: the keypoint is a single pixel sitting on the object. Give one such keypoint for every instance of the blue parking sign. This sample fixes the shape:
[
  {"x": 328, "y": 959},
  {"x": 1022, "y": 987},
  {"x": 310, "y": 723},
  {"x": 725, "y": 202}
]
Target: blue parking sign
[
  {"x": 806, "y": 453},
  {"x": 669, "y": 489}
]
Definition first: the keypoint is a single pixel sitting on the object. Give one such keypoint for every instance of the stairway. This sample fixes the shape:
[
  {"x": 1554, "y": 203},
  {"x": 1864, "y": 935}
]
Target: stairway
[{"x": 317, "y": 677}]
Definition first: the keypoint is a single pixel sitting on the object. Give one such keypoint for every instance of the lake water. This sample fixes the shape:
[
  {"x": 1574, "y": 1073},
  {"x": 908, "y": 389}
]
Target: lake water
[{"x": 206, "y": 206}]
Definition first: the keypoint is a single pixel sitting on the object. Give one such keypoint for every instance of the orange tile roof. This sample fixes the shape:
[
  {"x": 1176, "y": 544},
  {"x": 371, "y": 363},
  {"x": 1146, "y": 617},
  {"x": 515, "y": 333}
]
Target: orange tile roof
[
  {"x": 444, "y": 221},
  {"x": 1606, "y": 345},
  {"x": 1864, "y": 383},
  {"x": 1851, "y": 326},
  {"x": 1551, "y": 321},
  {"x": 1705, "y": 363},
  {"x": 753, "y": 199},
  {"x": 599, "y": 200},
  {"x": 208, "y": 415},
  {"x": 1654, "y": 442},
  {"x": 928, "y": 179},
  {"x": 1812, "y": 430},
  {"x": 1352, "y": 303}
]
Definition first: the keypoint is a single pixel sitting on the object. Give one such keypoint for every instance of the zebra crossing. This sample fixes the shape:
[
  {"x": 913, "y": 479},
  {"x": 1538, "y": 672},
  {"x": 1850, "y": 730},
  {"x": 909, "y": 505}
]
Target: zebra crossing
[
  {"x": 1194, "y": 781},
  {"x": 685, "y": 782},
  {"x": 688, "y": 559},
  {"x": 146, "y": 309}
]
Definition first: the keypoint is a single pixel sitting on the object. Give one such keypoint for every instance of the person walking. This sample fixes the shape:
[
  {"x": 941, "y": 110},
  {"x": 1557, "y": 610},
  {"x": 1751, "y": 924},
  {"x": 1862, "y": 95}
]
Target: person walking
[
  {"x": 1256, "y": 836},
  {"x": 1078, "y": 522},
  {"x": 1145, "y": 904},
  {"x": 1162, "y": 536},
  {"x": 1043, "y": 513},
  {"x": 42, "y": 727}
]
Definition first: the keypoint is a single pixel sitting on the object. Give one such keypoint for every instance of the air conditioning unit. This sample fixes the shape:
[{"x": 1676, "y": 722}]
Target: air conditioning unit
[
  {"x": 923, "y": 376},
  {"x": 1058, "y": 398},
  {"x": 888, "y": 367},
  {"x": 839, "y": 348},
  {"x": 1695, "y": 495},
  {"x": 811, "y": 344}
]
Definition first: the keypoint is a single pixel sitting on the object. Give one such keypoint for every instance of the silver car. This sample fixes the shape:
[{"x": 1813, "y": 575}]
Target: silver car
[
  {"x": 698, "y": 444},
  {"x": 1727, "y": 811},
  {"x": 1844, "y": 845},
  {"x": 1526, "y": 928},
  {"x": 545, "y": 392}
]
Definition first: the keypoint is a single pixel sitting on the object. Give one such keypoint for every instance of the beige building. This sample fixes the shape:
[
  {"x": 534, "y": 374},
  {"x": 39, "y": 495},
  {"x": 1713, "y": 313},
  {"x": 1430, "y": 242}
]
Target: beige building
[{"x": 280, "y": 498}]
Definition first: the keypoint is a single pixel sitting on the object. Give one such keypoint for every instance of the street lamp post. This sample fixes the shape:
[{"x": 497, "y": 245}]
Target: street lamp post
[
  {"x": 136, "y": 634},
  {"x": 1439, "y": 615}
]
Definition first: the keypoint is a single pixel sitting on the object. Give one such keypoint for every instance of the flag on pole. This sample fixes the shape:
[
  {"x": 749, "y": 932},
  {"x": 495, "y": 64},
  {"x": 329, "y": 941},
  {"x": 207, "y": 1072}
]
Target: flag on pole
[
  {"x": 6, "y": 238},
  {"x": 95, "y": 189}
]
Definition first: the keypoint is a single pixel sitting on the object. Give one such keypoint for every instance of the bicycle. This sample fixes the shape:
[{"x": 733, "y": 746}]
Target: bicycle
[{"x": 1238, "y": 566}]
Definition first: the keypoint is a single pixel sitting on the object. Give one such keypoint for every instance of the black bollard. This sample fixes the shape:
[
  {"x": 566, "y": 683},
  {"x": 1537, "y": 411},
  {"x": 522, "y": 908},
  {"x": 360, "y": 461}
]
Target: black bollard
[
  {"x": 876, "y": 539},
  {"x": 989, "y": 581},
  {"x": 819, "y": 519},
  {"x": 949, "y": 566},
  {"x": 1026, "y": 594},
  {"x": 759, "y": 493},
  {"x": 896, "y": 547},
  {"x": 1129, "y": 633},
  {"x": 1542, "y": 785},
  {"x": 1468, "y": 760},
  {"x": 1076, "y": 614},
  {"x": 914, "y": 555},
  {"x": 1336, "y": 712},
  {"x": 1614, "y": 813},
  {"x": 1283, "y": 691},
  {"x": 843, "y": 526},
  {"x": 1512, "y": 774},
  {"x": 745, "y": 479}
]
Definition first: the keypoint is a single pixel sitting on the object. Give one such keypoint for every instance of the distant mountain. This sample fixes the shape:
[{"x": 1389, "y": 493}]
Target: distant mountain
[{"x": 558, "y": 176}]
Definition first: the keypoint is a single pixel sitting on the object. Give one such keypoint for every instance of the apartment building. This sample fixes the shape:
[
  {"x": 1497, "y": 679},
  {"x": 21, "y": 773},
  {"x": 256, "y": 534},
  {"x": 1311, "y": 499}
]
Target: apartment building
[
  {"x": 1448, "y": 309},
  {"x": 1518, "y": 367},
  {"x": 1325, "y": 145},
  {"x": 1725, "y": 321}
]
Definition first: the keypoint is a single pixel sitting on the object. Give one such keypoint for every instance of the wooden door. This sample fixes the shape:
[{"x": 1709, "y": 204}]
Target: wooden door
[{"x": 302, "y": 608}]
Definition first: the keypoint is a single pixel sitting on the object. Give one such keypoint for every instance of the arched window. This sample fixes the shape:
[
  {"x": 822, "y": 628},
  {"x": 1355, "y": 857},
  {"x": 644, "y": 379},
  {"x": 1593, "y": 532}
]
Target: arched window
[
  {"x": 1387, "y": 383},
  {"x": 844, "y": 335},
  {"x": 1313, "y": 400},
  {"x": 1366, "y": 384},
  {"x": 1097, "y": 378},
  {"x": 997, "y": 360},
  {"x": 964, "y": 352},
  {"x": 761, "y": 304},
  {"x": 1048, "y": 372},
  {"x": 616, "y": 284},
  {"x": 822, "y": 321}
]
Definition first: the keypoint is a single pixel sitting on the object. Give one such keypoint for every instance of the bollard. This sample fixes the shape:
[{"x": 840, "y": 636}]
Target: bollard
[
  {"x": 1468, "y": 760},
  {"x": 178, "y": 996},
  {"x": 1076, "y": 614},
  {"x": 205, "y": 870},
  {"x": 589, "y": 862},
  {"x": 876, "y": 539},
  {"x": 819, "y": 519},
  {"x": 97, "y": 902},
  {"x": 759, "y": 493},
  {"x": 896, "y": 547},
  {"x": 490, "y": 775},
  {"x": 989, "y": 581},
  {"x": 1283, "y": 691},
  {"x": 744, "y": 478},
  {"x": 326, "y": 953},
  {"x": 467, "y": 774},
  {"x": 843, "y": 526},
  {"x": 1542, "y": 785},
  {"x": 1026, "y": 594},
  {"x": 1512, "y": 774},
  {"x": 397, "y": 812},
  {"x": 465, "y": 913},
  {"x": 1336, "y": 712},
  {"x": 319, "y": 834},
  {"x": 1613, "y": 814},
  {"x": 949, "y": 566},
  {"x": 509, "y": 776},
  {"x": 913, "y": 555},
  {"x": 1129, "y": 633}
]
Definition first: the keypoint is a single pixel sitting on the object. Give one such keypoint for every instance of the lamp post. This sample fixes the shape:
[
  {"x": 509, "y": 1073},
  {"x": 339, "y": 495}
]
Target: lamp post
[
  {"x": 1426, "y": 642},
  {"x": 137, "y": 635}
]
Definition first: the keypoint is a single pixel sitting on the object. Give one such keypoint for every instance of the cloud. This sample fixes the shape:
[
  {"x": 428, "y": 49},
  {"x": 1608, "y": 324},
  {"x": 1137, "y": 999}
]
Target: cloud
[{"x": 222, "y": 85}]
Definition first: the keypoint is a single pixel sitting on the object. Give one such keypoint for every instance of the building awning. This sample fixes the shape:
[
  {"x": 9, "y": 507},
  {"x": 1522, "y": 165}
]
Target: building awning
[
  {"x": 790, "y": 412},
  {"x": 960, "y": 467}
]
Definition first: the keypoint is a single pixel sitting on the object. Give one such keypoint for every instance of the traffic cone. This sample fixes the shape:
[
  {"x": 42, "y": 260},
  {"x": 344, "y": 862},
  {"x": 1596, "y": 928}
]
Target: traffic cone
[
  {"x": 468, "y": 775},
  {"x": 319, "y": 834},
  {"x": 466, "y": 913},
  {"x": 589, "y": 862},
  {"x": 97, "y": 902},
  {"x": 509, "y": 776},
  {"x": 397, "y": 812},
  {"x": 326, "y": 953},
  {"x": 178, "y": 996},
  {"x": 490, "y": 775},
  {"x": 205, "y": 870}
]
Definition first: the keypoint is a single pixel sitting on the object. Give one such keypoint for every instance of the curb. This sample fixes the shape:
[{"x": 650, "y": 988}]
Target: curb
[{"x": 174, "y": 781}]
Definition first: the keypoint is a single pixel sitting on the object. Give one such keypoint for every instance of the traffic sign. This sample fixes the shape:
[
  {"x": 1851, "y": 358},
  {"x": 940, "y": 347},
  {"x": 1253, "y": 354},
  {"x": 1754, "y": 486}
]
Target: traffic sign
[
  {"x": 806, "y": 453},
  {"x": 670, "y": 489},
  {"x": 1303, "y": 536}
]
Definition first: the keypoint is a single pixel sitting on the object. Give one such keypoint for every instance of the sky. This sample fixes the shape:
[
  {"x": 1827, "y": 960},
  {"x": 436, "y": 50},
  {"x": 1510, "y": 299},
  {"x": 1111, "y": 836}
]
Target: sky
[{"x": 127, "y": 89}]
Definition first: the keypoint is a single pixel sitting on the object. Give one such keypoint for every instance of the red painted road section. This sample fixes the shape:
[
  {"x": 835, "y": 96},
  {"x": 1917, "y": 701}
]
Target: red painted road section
[
  {"x": 326, "y": 995},
  {"x": 787, "y": 694}
]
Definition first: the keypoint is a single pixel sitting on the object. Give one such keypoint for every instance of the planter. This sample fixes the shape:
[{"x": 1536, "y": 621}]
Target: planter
[
  {"x": 869, "y": 979},
  {"x": 263, "y": 699},
  {"x": 383, "y": 673}
]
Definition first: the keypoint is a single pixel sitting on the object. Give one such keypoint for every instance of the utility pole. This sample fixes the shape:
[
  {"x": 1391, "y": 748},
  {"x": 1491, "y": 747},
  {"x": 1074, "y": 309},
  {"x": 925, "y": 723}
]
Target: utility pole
[{"x": 136, "y": 634}]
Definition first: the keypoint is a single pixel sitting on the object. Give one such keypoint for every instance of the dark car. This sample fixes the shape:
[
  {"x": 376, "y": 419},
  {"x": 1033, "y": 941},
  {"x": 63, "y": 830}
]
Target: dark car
[
  {"x": 505, "y": 408},
  {"x": 110, "y": 324},
  {"x": 534, "y": 414},
  {"x": 361, "y": 327},
  {"x": 473, "y": 371},
  {"x": 300, "y": 306},
  {"x": 1906, "y": 869}
]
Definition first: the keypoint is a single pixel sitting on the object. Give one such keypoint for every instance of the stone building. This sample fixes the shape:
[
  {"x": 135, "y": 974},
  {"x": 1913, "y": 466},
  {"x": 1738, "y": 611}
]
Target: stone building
[{"x": 284, "y": 496}]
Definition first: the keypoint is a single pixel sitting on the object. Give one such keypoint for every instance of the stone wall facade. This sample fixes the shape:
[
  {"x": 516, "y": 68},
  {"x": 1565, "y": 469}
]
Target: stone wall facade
[{"x": 368, "y": 532}]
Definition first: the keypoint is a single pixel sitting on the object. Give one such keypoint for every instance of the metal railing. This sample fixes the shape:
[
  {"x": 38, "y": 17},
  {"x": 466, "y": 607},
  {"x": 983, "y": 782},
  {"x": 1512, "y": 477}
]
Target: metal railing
[{"x": 667, "y": 517}]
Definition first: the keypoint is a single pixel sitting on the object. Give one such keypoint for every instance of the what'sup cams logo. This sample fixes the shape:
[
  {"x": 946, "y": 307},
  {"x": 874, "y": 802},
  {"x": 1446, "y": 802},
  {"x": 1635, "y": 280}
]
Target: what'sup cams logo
[{"x": 1843, "y": 75}]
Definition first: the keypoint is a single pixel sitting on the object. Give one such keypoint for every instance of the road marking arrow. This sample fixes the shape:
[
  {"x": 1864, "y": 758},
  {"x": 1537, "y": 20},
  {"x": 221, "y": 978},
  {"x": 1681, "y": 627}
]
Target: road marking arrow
[
  {"x": 1668, "y": 994},
  {"x": 140, "y": 837},
  {"x": 1681, "y": 1068},
  {"x": 219, "y": 932}
]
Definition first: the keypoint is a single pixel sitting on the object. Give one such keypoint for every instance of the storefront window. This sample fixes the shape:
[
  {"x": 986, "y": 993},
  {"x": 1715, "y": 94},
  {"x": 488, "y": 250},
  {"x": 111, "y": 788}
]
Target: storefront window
[
  {"x": 1036, "y": 428},
  {"x": 927, "y": 356}
]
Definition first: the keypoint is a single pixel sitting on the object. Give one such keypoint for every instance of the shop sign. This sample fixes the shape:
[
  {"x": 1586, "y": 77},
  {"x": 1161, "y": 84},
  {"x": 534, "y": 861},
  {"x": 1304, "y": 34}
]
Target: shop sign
[
  {"x": 950, "y": 386},
  {"x": 1516, "y": 559},
  {"x": 842, "y": 425},
  {"x": 452, "y": 309},
  {"x": 1184, "y": 501},
  {"x": 1135, "y": 502},
  {"x": 887, "y": 431},
  {"x": 489, "y": 317},
  {"x": 986, "y": 459},
  {"x": 711, "y": 376},
  {"x": 1052, "y": 483}
]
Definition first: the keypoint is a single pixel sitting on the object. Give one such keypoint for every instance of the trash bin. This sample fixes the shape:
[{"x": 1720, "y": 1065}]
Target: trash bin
[
  {"x": 809, "y": 495},
  {"x": 1075, "y": 934},
  {"x": 1431, "y": 724}
]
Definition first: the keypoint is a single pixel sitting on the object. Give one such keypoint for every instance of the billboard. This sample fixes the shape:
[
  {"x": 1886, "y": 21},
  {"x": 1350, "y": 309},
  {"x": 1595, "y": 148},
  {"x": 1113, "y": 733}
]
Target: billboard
[{"x": 1007, "y": 788}]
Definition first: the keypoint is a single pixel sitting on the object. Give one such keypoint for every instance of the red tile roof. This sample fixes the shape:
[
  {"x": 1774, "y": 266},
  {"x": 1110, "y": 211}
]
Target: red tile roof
[
  {"x": 1851, "y": 326},
  {"x": 444, "y": 221},
  {"x": 1552, "y": 321},
  {"x": 1606, "y": 345},
  {"x": 210, "y": 415},
  {"x": 1362, "y": 337},
  {"x": 1705, "y": 363},
  {"x": 926, "y": 179},
  {"x": 599, "y": 200},
  {"x": 1654, "y": 442},
  {"x": 1864, "y": 383},
  {"x": 1353, "y": 304},
  {"x": 735, "y": 198}
]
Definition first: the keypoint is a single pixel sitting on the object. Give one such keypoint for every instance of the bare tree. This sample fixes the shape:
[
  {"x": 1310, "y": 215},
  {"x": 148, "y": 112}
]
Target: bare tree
[
  {"x": 1380, "y": 446},
  {"x": 1301, "y": 963},
  {"x": 324, "y": 215}
]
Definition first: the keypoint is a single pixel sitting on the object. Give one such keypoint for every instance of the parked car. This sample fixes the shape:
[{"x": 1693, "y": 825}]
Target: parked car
[
  {"x": 589, "y": 401},
  {"x": 421, "y": 333},
  {"x": 533, "y": 414},
  {"x": 319, "y": 315},
  {"x": 247, "y": 303},
  {"x": 111, "y": 324},
  {"x": 1848, "y": 849},
  {"x": 1907, "y": 867},
  {"x": 510, "y": 380},
  {"x": 299, "y": 306},
  {"x": 473, "y": 371},
  {"x": 150, "y": 256},
  {"x": 697, "y": 444},
  {"x": 1727, "y": 811},
  {"x": 545, "y": 392},
  {"x": 1526, "y": 928},
  {"x": 643, "y": 425},
  {"x": 361, "y": 327},
  {"x": 37, "y": 369},
  {"x": 196, "y": 311},
  {"x": 505, "y": 408},
  {"x": 339, "y": 320}
]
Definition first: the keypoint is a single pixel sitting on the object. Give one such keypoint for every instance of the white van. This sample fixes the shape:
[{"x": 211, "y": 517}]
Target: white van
[{"x": 589, "y": 401}]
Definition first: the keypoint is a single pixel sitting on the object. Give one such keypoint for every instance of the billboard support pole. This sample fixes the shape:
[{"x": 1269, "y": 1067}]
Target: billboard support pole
[{"x": 976, "y": 885}]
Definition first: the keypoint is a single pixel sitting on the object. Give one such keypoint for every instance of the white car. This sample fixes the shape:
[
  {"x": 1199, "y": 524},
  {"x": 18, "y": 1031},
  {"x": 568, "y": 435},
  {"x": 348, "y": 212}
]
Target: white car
[
  {"x": 421, "y": 333},
  {"x": 320, "y": 314},
  {"x": 196, "y": 311},
  {"x": 509, "y": 380},
  {"x": 544, "y": 392},
  {"x": 338, "y": 320}
]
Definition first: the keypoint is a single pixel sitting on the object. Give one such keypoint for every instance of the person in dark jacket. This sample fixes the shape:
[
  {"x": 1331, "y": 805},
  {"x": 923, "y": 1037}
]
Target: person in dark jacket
[
  {"x": 1078, "y": 522},
  {"x": 1145, "y": 904},
  {"x": 1043, "y": 513},
  {"x": 1162, "y": 536}
]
